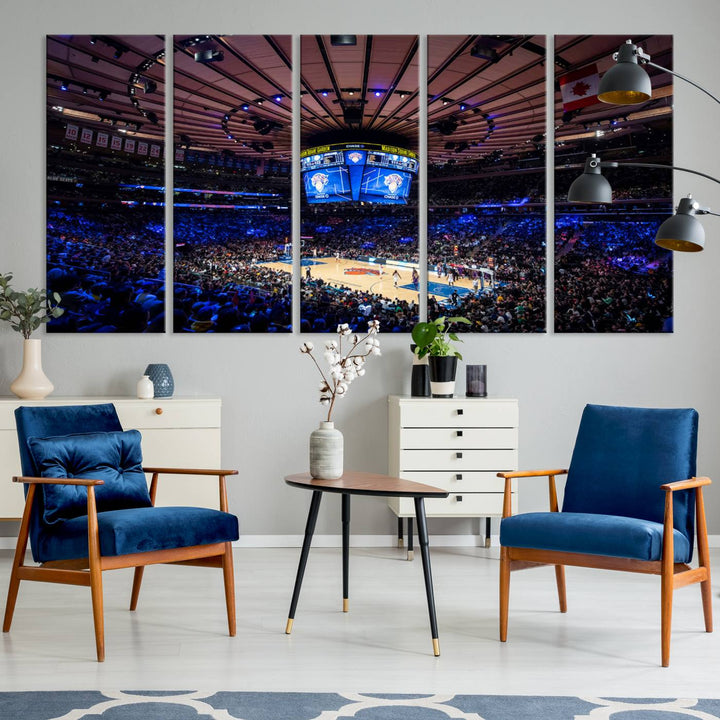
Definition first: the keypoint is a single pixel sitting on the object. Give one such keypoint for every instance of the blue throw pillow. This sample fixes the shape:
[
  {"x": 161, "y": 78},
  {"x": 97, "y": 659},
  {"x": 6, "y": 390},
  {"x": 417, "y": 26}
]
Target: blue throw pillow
[{"x": 114, "y": 457}]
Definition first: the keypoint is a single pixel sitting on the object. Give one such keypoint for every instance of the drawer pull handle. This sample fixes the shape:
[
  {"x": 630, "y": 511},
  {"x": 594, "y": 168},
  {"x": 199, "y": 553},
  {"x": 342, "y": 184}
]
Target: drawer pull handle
[
  {"x": 458, "y": 456},
  {"x": 458, "y": 498},
  {"x": 158, "y": 411},
  {"x": 460, "y": 411},
  {"x": 459, "y": 433},
  {"x": 458, "y": 476}
]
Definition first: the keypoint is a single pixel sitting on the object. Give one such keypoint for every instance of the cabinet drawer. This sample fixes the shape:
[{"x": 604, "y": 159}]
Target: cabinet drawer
[
  {"x": 457, "y": 460},
  {"x": 455, "y": 505},
  {"x": 459, "y": 482},
  {"x": 172, "y": 413},
  {"x": 459, "y": 412},
  {"x": 462, "y": 437}
]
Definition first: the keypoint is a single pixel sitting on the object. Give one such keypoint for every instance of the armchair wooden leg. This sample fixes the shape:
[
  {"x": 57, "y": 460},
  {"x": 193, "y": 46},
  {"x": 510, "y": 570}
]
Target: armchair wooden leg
[
  {"x": 229, "y": 578},
  {"x": 137, "y": 581},
  {"x": 666, "y": 599},
  {"x": 11, "y": 598},
  {"x": 560, "y": 580},
  {"x": 96, "y": 587},
  {"x": 704, "y": 559},
  {"x": 504, "y": 591},
  {"x": 18, "y": 560}
]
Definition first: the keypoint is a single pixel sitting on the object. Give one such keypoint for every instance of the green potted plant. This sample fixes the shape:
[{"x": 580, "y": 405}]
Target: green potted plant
[
  {"x": 26, "y": 311},
  {"x": 435, "y": 339}
]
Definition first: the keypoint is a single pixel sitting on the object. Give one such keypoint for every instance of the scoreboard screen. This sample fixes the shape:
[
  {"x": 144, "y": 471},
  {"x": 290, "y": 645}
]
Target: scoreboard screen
[
  {"x": 358, "y": 172},
  {"x": 327, "y": 184},
  {"x": 385, "y": 185}
]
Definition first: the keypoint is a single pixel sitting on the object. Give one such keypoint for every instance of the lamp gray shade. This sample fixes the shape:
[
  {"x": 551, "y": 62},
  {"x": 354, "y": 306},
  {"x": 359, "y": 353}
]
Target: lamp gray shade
[
  {"x": 590, "y": 187},
  {"x": 682, "y": 232},
  {"x": 626, "y": 83}
]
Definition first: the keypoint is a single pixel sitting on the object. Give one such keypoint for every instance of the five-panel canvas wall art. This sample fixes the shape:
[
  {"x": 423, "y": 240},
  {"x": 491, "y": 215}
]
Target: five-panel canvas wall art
[{"x": 454, "y": 207}]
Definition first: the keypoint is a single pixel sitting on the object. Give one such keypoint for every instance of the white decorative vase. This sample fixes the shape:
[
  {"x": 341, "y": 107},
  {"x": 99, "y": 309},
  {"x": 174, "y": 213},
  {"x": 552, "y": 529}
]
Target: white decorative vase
[
  {"x": 326, "y": 452},
  {"x": 32, "y": 383},
  {"x": 145, "y": 388}
]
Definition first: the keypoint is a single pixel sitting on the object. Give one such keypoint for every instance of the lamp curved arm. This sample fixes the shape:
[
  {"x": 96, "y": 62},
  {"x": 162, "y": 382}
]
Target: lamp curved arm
[
  {"x": 612, "y": 164},
  {"x": 678, "y": 75}
]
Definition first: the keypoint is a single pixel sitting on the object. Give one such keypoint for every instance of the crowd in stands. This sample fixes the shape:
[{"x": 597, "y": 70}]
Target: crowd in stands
[
  {"x": 107, "y": 260},
  {"x": 324, "y": 307},
  {"x": 108, "y": 265},
  {"x": 488, "y": 188},
  {"x": 221, "y": 283},
  {"x": 510, "y": 244},
  {"x": 611, "y": 277},
  {"x": 382, "y": 231}
]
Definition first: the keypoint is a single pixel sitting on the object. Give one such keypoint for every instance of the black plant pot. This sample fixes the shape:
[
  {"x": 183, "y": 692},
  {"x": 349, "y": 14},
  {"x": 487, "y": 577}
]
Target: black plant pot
[
  {"x": 420, "y": 379},
  {"x": 442, "y": 375}
]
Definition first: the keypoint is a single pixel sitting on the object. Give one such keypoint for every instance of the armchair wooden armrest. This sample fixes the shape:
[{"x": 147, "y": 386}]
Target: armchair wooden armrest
[
  {"x": 531, "y": 473},
  {"x": 509, "y": 476},
  {"x": 695, "y": 482},
  {"x": 189, "y": 471},
  {"x": 220, "y": 474},
  {"x": 57, "y": 481}
]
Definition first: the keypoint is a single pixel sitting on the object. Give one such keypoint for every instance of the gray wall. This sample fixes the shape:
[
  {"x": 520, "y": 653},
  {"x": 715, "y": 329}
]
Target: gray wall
[{"x": 267, "y": 387}]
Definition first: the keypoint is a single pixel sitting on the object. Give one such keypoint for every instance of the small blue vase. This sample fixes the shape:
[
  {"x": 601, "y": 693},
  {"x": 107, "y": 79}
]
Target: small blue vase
[{"x": 162, "y": 379}]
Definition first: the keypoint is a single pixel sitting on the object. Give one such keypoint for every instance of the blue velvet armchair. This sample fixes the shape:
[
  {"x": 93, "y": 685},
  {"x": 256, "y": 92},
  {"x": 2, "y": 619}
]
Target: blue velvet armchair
[
  {"x": 631, "y": 503},
  {"x": 88, "y": 509}
]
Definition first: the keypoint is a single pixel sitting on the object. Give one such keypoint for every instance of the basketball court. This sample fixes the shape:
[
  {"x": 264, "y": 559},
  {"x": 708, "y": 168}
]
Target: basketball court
[{"x": 374, "y": 278}]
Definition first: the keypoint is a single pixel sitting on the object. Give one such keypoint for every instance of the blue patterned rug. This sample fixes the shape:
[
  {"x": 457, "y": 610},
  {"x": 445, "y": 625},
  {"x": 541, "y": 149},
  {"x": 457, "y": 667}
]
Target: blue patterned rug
[{"x": 189, "y": 705}]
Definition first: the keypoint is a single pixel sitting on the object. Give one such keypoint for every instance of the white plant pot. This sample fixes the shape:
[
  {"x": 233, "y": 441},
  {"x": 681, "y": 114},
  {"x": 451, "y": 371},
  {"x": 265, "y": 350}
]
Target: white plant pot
[{"x": 32, "y": 383}]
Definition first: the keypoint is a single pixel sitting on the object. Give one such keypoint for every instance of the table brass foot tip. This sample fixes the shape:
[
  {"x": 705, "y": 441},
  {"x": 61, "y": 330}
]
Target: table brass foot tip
[
  {"x": 411, "y": 554},
  {"x": 436, "y": 647},
  {"x": 346, "y": 605},
  {"x": 288, "y": 627},
  {"x": 487, "y": 542},
  {"x": 401, "y": 542}
]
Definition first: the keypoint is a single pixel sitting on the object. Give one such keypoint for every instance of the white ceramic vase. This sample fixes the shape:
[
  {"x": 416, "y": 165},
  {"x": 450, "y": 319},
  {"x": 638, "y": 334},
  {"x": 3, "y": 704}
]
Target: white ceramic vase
[
  {"x": 326, "y": 452},
  {"x": 145, "y": 388},
  {"x": 32, "y": 383}
]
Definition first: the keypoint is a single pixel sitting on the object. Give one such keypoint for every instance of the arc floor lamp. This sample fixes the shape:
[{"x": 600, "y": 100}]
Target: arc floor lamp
[{"x": 627, "y": 83}]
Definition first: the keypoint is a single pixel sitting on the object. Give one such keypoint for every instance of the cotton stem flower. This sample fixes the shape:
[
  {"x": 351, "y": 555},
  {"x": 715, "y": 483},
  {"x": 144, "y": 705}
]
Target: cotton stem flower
[{"x": 343, "y": 365}]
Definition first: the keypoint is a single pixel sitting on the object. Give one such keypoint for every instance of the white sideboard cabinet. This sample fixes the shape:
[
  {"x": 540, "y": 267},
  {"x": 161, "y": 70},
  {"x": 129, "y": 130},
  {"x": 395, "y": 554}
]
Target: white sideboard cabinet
[
  {"x": 458, "y": 444},
  {"x": 176, "y": 432}
]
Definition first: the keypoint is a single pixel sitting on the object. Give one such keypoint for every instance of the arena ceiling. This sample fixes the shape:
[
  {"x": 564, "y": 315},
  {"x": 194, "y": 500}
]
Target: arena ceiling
[{"x": 486, "y": 94}]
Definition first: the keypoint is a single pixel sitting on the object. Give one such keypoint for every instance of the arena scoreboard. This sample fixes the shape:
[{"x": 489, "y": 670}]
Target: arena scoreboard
[{"x": 358, "y": 172}]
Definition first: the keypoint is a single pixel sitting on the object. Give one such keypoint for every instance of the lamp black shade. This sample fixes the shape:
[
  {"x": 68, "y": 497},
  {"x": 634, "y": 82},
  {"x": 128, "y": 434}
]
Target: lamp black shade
[
  {"x": 626, "y": 83},
  {"x": 682, "y": 232},
  {"x": 591, "y": 186}
]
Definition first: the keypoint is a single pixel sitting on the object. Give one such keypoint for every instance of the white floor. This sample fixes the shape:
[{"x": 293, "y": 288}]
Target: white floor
[{"x": 607, "y": 644}]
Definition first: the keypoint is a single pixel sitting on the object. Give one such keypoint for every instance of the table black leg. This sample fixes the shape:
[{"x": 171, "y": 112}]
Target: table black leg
[
  {"x": 425, "y": 553},
  {"x": 410, "y": 551},
  {"x": 400, "y": 532},
  {"x": 346, "y": 548},
  {"x": 309, "y": 530},
  {"x": 487, "y": 532}
]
